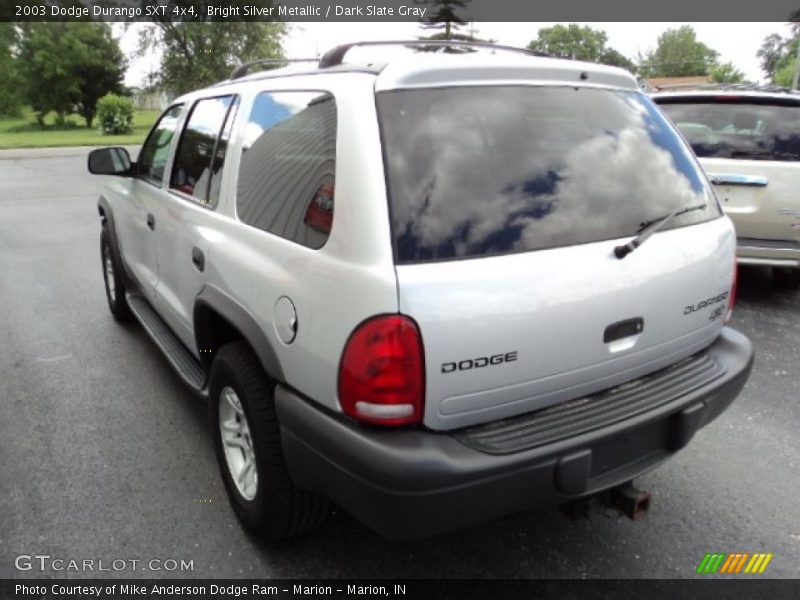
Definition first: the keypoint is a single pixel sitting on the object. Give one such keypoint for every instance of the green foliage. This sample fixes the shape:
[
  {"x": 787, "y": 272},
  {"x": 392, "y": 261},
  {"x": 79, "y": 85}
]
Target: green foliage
[
  {"x": 772, "y": 53},
  {"x": 678, "y": 54},
  {"x": 726, "y": 73},
  {"x": 194, "y": 55},
  {"x": 68, "y": 66},
  {"x": 10, "y": 96},
  {"x": 779, "y": 57},
  {"x": 580, "y": 43},
  {"x": 25, "y": 132},
  {"x": 115, "y": 115},
  {"x": 784, "y": 75},
  {"x": 571, "y": 41}
]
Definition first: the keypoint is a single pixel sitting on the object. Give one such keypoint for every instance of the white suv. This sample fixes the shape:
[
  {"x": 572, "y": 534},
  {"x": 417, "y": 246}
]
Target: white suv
[
  {"x": 748, "y": 140},
  {"x": 434, "y": 290}
]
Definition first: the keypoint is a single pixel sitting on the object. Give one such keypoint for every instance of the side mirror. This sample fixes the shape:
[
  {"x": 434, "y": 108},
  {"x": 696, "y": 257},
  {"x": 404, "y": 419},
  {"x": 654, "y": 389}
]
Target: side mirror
[{"x": 110, "y": 161}]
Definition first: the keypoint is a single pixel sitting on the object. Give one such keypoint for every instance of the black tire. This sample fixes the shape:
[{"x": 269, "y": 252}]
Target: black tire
[
  {"x": 278, "y": 508},
  {"x": 788, "y": 278},
  {"x": 115, "y": 295}
]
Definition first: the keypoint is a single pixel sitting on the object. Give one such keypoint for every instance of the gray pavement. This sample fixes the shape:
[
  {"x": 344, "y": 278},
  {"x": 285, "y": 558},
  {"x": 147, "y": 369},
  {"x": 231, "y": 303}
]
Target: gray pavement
[{"x": 104, "y": 454}]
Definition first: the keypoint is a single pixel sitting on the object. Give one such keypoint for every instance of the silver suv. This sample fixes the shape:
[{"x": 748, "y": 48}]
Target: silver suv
[
  {"x": 434, "y": 290},
  {"x": 748, "y": 140}
]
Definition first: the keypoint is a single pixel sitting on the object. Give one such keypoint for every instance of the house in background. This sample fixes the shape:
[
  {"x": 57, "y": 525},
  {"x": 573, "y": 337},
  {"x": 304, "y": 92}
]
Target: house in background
[
  {"x": 674, "y": 83},
  {"x": 148, "y": 99}
]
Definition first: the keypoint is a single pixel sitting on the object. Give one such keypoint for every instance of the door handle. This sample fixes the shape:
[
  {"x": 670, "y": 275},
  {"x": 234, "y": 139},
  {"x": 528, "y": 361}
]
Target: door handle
[
  {"x": 151, "y": 221},
  {"x": 737, "y": 179},
  {"x": 623, "y": 329},
  {"x": 198, "y": 259}
]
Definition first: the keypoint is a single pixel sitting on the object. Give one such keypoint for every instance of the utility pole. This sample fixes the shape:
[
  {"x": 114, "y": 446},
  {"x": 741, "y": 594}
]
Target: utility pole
[{"x": 796, "y": 67}]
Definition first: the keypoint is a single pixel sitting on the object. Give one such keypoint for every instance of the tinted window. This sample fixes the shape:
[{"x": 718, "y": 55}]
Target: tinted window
[
  {"x": 154, "y": 154},
  {"x": 201, "y": 151},
  {"x": 286, "y": 174},
  {"x": 739, "y": 129},
  {"x": 486, "y": 171}
]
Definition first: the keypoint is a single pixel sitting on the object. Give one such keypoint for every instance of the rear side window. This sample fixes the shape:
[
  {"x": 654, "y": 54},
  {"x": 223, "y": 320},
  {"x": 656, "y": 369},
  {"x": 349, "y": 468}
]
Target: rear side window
[
  {"x": 738, "y": 128},
  {"x": 482, "y": 171},
  {"x": 155, "y": 151},
  {"x": 201, "y": 151},
  {"x": 286, "y": 173}
]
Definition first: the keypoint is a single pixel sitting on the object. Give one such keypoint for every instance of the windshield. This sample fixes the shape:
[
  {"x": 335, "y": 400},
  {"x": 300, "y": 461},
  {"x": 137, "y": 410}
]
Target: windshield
[
  {"x": 730, "y": 127},
  {"x": 481, "y": 171}
]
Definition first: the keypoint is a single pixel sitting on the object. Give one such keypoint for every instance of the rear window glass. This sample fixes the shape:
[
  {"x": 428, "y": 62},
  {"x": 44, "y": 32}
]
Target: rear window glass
[
  {"x": 482, "y": 171},
  {"x": 737, "y": 129}
]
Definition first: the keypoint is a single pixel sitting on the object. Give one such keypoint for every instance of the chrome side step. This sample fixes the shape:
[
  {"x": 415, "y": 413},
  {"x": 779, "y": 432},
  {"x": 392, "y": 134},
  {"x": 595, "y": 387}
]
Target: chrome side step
[{"x": 185, "y": 364}]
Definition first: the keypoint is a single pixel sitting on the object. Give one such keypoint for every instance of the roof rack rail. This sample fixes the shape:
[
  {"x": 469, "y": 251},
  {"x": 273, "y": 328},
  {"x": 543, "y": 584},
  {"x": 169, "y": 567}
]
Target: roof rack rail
[
  {"x": 244, "y": 69},
  {"x": 335, "y": 56},
  {"x": 726, "y": 87}
]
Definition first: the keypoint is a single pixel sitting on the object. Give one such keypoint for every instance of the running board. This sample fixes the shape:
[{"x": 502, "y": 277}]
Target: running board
[{"x": 186, "y": 365}]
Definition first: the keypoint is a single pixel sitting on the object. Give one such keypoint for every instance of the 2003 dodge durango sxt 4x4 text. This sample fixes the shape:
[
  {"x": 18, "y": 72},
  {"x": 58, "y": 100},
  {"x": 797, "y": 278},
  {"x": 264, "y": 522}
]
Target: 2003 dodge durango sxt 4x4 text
[{"x": 433, "y": 290}]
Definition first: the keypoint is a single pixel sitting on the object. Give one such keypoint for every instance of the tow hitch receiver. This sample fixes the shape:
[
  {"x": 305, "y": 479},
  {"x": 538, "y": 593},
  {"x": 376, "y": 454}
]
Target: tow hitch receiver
[
  {"x": 626, "y": 498},
  {"x": 629, "y": 500}
]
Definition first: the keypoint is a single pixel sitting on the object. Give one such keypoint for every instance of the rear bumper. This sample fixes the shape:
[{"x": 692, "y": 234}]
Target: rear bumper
[
  {"x": 414, "y": 483},
  {"x": 771, "y": 253}
]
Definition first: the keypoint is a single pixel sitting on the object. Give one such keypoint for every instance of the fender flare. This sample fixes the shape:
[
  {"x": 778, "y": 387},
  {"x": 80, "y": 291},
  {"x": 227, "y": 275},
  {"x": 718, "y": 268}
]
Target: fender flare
[
  {"x": 107, "y": 221},
  {"x": 218, "y": 301}
]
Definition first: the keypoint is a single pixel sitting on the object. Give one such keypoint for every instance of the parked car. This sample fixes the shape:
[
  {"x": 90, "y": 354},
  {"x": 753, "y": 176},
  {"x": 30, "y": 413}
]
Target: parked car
[
  {"x": 434, "y": 290},
  {"x": 748, "y": 142}
]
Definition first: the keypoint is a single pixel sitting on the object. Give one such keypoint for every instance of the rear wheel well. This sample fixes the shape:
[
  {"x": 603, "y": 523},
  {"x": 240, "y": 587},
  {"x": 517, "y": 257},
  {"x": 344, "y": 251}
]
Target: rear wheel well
[{"x": 212, "y": 332}]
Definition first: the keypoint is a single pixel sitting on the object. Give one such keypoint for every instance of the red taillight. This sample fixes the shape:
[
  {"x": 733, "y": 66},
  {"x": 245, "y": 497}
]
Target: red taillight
[
  {"x": 732, "y": 297},
  {"x": 381, "y": 376}
]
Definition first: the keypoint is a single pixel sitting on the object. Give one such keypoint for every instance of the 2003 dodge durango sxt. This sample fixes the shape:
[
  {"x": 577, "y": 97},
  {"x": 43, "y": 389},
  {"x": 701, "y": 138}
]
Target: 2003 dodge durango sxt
[{"x": 434, "y": 290}]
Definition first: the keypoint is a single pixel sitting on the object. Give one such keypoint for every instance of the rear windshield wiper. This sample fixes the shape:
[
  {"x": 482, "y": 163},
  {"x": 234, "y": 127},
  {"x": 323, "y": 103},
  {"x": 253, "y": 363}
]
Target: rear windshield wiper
[{"x": 648, "y": 228}]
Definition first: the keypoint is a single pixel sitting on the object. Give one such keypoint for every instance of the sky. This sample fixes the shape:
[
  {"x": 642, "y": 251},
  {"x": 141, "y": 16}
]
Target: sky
[{"x": 735, "y": 42}]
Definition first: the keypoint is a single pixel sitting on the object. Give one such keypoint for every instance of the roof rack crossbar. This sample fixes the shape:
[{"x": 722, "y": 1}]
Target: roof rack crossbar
[
  {"x": 335, "y": 56},
  {"x": 244, "y": 69}
]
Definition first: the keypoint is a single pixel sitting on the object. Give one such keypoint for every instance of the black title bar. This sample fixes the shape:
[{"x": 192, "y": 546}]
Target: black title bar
[
  {"x": 440, "y": 589},
  {"x": 395, "y": 10}
]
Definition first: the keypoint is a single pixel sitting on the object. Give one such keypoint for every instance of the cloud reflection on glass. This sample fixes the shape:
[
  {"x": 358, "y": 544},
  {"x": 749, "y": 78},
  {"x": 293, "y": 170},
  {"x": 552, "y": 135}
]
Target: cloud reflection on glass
[{"x": 484, "y": 171}]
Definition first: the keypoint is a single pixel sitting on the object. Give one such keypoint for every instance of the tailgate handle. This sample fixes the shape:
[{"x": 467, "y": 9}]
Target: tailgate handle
[
  {"x": 623, "y": 329},
  {"x": 737, "y": 179}
]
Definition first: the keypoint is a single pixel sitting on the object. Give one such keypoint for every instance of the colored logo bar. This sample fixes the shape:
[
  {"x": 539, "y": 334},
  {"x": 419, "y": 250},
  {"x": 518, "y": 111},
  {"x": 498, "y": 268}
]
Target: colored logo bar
[{"x": 734, "y": 562}]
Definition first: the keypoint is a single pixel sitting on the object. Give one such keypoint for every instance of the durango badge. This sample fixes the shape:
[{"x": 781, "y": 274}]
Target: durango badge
[{"x": 687, "y": 310}]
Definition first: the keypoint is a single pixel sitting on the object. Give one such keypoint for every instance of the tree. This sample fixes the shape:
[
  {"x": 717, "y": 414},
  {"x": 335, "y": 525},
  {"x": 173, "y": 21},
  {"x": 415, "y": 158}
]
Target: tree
[
  {"x": 48, "y": 84},
  {"x": 784, "y": 75},
  {"x": 617, "y": 59},
  {"x": 580, "y": 43},
  {"x": 678, "y": 54},
  {"x": 725, "y": 73},
  {"x": 97, "y": 63},
  {"x": 10, "y": 97},
  {"x": 444, "y": 20},
  {"x": 772, "y": 52},
  {"x": 778, "y": 56},
  {"x": 68, "y": 66},
  {"x": 195, "y": 54}
]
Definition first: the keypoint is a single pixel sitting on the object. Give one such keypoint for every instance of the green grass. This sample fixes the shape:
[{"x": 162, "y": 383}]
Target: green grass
[{"x": 25, "y": 132}]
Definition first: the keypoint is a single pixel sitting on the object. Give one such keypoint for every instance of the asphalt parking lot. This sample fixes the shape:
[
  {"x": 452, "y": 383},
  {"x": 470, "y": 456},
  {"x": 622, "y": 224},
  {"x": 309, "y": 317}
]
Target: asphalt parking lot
[{"x": 105, "y": 455}]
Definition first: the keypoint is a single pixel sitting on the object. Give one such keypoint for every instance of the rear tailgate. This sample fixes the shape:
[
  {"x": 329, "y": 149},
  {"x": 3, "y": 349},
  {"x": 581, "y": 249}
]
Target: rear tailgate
[
  {"x": 749, "y": 146},
  {"x": 507, "y": 335},
  {"x": 507, "y": 203},
  {"x": 762, "y": 197}
]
